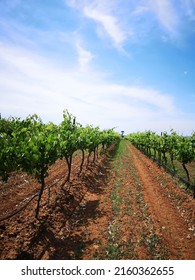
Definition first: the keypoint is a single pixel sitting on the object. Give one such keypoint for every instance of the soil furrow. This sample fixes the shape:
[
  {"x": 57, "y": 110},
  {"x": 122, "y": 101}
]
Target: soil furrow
[{"x": 169, "y": 223}]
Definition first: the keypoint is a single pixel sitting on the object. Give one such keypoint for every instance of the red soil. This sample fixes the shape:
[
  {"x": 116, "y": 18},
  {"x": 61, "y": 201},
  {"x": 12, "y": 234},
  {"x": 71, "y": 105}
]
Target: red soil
[{"x": 150, "y": 218}]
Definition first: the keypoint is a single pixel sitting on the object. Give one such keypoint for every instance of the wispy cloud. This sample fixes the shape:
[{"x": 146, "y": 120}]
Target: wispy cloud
[
  {"x": 140, "y": 10},
  {"x": 49, "y": 65},
  {"x": 131, "y": 20},
  {"x": 166, "y": 15},
  {"x": 110, "y": 24},
  {"x": 104, "y": 14},
  {"x": 84, "y": 57},
  {"x": 40, "y": 86}
]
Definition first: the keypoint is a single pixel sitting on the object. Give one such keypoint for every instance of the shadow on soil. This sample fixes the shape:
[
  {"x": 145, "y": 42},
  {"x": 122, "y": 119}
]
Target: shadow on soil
[
  {"x": 68, "y": 241},
  {"x": 46, "y": 244}
]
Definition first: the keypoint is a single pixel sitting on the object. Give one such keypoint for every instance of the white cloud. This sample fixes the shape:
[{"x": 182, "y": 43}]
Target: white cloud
[
  {"x": 108, "y": 21},
  {"x": 131, "y": 20},
  {"x": 110, "y": 24},
  {"x": 31, "y": 84},
  {"x": 84, "y": 57},
  {"x": 140, "y": 10},
  {"x": 166, "y": 14}
]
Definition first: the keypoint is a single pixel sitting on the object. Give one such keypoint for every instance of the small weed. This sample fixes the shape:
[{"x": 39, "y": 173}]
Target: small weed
[
  {"x": 155, "y": 247},
  {"x": 112, "y": 250}
]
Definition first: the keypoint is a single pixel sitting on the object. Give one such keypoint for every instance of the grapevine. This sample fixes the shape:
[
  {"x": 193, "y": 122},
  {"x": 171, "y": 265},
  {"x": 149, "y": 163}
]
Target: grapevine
[
  {"x": 160, "y": 147},
  {"x": 33, "y": 146}
]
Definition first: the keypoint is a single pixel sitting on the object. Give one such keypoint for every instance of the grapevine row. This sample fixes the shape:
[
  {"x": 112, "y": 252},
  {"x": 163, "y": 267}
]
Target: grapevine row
[
  {"x": 166, "y": 146},
  {"x": 32, "y": 146}
]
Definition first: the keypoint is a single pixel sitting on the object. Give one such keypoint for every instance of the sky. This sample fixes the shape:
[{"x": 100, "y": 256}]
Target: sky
[{"x": 123, "y": 64}]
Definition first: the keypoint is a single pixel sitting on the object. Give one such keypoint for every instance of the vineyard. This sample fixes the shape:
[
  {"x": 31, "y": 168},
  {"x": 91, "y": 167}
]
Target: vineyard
[
  {"x": 170, "y": 151},
  {"x": 32, "y": 146},
  {"x": 74, "y": 192}
]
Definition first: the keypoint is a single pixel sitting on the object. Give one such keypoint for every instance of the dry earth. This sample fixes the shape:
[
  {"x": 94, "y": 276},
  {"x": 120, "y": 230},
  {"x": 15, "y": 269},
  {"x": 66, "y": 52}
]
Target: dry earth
[{"x": 122, "y": 207}]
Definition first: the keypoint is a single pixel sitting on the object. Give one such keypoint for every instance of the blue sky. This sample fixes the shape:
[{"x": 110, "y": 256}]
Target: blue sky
[{"x": 128, "y": 64}]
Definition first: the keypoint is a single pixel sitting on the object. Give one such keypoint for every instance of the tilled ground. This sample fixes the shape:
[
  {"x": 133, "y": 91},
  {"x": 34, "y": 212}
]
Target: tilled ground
[
  {"x": 63, "y": 207},
  {"x": 146, "y": 214},
  {"x": 122, "y": 207}
]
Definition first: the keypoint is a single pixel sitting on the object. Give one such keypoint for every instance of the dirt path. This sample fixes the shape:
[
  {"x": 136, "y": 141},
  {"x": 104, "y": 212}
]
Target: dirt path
[
  {"x": 175, "y": 231},
  {"x": 123, "y": 207},
  {"x": 144, "y": 215}
]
